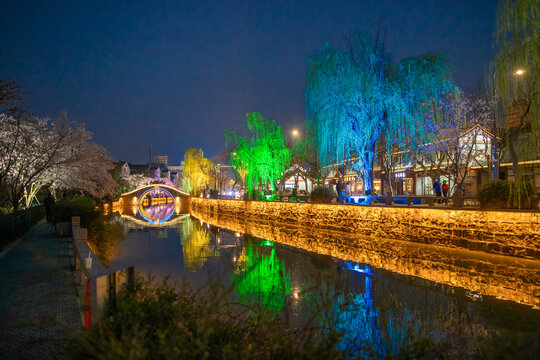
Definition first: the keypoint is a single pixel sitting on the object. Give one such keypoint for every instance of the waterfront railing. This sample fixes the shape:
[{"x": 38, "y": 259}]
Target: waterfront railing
[
  {"x": 13, "y": 226},
  {"x": 400, "y": 200}
]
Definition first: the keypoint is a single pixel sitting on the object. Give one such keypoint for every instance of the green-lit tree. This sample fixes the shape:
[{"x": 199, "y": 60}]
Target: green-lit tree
[
  {"x": 263, "y": 156},
  {"x": 355, "y": 97}
]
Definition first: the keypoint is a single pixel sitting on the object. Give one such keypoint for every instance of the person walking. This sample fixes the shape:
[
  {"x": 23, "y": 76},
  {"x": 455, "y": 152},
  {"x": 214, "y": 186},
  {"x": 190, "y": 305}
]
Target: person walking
[
  {"x": 445, "y": 188},
  {"x": 437, "y": 189},
  {"x": 338, "y": 188},
  {"x": 48, "y": 203}
]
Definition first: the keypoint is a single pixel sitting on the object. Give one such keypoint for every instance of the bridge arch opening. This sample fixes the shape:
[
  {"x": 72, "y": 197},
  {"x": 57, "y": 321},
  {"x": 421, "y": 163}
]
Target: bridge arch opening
[{"x": 155, "y": 204}]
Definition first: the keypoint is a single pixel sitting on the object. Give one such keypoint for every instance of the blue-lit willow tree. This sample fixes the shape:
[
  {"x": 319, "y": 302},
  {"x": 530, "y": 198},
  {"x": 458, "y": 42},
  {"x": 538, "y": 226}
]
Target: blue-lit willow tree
[
  {"x": 357, "y": 96},
  {"x": 262, "y": 157}
]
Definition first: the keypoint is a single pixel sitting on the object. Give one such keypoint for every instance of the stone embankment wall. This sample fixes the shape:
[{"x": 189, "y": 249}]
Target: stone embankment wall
[
  {"x": 500, "y": 232},
  {"x": 485, "y": 274}
]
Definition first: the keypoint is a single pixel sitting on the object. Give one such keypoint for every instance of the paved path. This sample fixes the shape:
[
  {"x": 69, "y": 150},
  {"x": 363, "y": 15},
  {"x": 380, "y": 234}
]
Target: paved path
[{"x": 38, "y": 304}]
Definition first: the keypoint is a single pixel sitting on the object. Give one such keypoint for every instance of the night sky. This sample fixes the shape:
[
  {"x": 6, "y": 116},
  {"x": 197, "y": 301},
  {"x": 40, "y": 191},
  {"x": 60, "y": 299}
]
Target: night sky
[{"x": 177, "y": 74}]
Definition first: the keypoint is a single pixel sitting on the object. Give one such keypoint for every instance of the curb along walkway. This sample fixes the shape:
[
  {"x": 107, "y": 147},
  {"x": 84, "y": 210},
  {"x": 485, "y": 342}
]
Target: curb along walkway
[{"x": 39, "y": 310}]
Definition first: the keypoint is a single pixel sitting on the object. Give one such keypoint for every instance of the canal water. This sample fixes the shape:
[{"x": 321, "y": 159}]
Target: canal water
[{"x": 379, "y": 293}]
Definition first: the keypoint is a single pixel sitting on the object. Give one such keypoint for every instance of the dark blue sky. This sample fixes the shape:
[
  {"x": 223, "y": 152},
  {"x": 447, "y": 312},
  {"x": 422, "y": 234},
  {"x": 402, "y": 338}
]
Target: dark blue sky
[{"x": 177, "y": 74}]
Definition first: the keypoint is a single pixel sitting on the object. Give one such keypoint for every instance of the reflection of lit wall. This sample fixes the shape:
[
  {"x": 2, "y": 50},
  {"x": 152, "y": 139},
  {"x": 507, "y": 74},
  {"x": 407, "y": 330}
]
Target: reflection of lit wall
[
  {"x": 512, "y": 279},
  {"x": 503, "y": 232}
]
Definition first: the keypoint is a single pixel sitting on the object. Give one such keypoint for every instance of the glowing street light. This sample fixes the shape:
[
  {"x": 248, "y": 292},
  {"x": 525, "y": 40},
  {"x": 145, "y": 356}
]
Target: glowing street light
[
  {"x": 519, "y": 72},
  {"x": 295, "y": 132}
]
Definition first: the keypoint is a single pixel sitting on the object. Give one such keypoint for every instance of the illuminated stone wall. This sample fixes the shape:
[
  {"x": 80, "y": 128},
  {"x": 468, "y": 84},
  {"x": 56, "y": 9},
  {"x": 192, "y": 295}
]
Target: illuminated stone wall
[
  {"x": 501, "y": 232},
  {"x": 486, "y": 274}
]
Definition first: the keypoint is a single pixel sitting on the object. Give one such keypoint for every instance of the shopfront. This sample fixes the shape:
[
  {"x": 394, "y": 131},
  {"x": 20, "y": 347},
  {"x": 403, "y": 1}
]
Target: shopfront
[{"x": 404, "y": 182}]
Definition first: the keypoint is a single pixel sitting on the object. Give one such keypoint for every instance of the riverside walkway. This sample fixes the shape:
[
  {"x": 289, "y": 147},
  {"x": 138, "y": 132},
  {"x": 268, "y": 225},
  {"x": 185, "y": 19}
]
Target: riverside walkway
[{"x": 39, "y": 310}]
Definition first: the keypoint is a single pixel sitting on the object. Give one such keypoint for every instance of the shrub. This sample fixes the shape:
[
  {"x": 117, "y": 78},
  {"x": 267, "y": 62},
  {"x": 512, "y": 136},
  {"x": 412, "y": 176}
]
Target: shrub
[
  {"x": 504, "y": 194},
  {"x": 494, "y": 194},
  {"x": 320, "y": 195},
  {"x": 80, "y": 206},
  {"x": 166, "y": 322}
]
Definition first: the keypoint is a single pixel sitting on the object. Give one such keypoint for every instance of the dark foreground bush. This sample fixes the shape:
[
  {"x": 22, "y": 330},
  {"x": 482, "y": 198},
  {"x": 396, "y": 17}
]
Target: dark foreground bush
[
  {"x": 161, "y": 322},
  {"x": 320, "y": 195},
  {"x": 504, "y": 194}
]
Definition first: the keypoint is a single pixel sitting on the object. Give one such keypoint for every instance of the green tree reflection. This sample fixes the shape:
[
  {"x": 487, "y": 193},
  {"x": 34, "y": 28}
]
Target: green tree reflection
[
  {"x": 262, "y": 278},
  {"x": 196, "y": 246}
]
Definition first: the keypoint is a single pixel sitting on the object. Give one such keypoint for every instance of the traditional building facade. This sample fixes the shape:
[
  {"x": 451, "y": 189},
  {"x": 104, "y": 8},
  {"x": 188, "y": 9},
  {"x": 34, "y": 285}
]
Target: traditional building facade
[{"x": 469, "y": 164}]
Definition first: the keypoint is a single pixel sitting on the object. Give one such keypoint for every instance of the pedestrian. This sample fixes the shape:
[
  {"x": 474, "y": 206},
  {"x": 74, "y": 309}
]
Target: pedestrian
[
  {"x": 445, "y": 188},
  {"x": 48, "y": 203},
  {"x": 437, "y": 189},
  {"x": 338, "y": 188},
  {"x": 348, "y": 188}
]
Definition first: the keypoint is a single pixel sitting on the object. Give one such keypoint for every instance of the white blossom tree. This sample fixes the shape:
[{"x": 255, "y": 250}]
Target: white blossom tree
[
  {"x": 459, "y": 128},
  {"x": 36, "y": 152}
]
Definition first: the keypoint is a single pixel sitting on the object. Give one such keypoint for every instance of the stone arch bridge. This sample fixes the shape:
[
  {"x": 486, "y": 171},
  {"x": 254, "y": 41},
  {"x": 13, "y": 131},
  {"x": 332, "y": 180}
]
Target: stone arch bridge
[{"x": 156, "y": 194}]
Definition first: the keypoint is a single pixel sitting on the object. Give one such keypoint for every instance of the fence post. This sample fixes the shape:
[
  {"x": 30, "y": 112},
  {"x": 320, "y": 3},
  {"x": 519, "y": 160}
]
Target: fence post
[
  {"x": 388, "y": 200},
  {"x": 458, "y": 201}
]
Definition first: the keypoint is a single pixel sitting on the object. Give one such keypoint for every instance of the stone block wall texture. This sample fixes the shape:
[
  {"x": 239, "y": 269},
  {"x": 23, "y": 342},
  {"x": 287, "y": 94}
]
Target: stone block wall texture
[
  {"x": 486, "y": 274},
  {"x": 501, "y": 232}
]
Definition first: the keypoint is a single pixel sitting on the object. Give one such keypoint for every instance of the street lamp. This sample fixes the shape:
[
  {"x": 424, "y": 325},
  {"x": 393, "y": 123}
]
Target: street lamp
[
  {"x": 517, "y": 72},
  {"x": 295, "y": 132},
  {"x": 495, "y": 160}
]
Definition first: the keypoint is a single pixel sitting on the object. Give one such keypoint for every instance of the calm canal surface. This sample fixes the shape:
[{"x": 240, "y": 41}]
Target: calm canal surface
[{"x": 381, "y": 290}]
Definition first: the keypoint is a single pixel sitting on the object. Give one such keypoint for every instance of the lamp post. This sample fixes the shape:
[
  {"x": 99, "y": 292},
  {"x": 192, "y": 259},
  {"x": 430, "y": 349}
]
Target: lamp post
[
  {"x": 495, "y": 160},
  {"x": 518, "y": 72}
]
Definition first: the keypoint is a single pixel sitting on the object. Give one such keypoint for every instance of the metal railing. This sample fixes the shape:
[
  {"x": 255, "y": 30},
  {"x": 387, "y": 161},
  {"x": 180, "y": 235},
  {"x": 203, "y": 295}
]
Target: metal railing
[
  {"x": 12, "y": 226},
  {"x": 412, "y": 200},
  {"x": 400, "y": 200}
]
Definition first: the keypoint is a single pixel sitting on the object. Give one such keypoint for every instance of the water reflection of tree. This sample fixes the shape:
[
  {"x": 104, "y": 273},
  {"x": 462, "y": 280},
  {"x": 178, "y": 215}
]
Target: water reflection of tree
[
  {"x": 196, "y": 245},
  {"x": 104, "y": 234},
  {"x": 404, "y": 318},
  {"x": 262, "y": 278}
]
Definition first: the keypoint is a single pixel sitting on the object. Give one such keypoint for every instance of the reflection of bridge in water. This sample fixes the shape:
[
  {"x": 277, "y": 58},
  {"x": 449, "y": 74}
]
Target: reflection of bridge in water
[{"x": 173, "y": 220}]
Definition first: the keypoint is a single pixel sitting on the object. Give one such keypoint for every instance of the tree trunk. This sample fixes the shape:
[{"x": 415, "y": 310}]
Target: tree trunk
[
  {"x": 367, "y": 167},
  {"x": 513, "y": 158}
]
